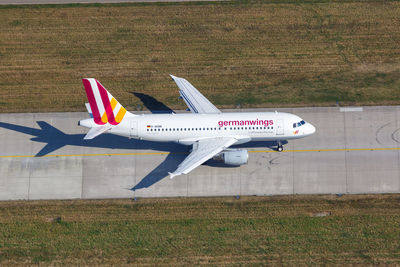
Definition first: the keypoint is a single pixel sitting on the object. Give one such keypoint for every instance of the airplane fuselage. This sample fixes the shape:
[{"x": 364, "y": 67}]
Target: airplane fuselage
[
  {"x": 187, "y": 128},
  {"x": 207, "y": 129}
]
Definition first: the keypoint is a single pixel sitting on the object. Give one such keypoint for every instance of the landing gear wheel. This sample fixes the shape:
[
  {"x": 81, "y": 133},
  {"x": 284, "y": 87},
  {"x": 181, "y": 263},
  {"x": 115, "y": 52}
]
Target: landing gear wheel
[{"x": 280, "y": 147}]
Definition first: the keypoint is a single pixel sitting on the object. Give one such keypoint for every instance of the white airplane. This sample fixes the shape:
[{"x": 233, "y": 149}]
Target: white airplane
[{"x": 207, "y": 129}]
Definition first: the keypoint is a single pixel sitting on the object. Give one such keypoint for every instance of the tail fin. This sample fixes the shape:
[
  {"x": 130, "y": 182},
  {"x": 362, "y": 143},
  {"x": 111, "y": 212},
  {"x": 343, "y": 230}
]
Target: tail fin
[
  {"x": 105, "y": 108},
  {"x": 89, "y": 110}
]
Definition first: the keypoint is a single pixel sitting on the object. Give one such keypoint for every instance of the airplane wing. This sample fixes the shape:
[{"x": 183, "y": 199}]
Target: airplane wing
[
  {"x": 196, "y": 102},
  {"x": 203, "y": 150}
]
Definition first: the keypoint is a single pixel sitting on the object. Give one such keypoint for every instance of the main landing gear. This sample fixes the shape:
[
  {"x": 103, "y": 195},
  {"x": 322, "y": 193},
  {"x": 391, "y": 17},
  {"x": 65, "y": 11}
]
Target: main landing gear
[{"x": 280, "y": 147}]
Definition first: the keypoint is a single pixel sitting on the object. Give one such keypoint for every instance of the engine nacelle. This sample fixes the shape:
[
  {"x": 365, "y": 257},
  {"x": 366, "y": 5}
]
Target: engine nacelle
[{"x": 235, "y": 157}]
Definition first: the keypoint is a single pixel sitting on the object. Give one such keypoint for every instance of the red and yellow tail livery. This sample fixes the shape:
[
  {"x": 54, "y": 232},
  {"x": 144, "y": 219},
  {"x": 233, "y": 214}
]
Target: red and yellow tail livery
[{"x": 105, "y": 108}]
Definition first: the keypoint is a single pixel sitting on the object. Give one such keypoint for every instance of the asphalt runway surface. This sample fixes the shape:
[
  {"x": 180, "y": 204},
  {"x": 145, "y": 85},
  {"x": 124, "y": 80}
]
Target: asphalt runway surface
[{"x": 44, "y": 156}]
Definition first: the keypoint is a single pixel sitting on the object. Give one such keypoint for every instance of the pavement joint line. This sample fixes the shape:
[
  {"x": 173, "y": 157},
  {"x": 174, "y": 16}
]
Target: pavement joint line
[{"x": 167, "y": 153}]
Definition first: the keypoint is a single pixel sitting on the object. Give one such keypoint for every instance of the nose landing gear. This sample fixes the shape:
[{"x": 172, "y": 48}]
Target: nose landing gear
[{"x": 280, "y": 147}]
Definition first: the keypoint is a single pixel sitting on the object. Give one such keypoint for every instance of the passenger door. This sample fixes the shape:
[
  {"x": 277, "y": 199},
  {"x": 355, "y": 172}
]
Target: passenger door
[
  {"x": 134, "y": 129},
  {"x": 279, "y": 127}
]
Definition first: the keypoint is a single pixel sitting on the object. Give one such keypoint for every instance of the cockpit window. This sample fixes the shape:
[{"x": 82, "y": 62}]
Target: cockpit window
[{"x": 298, "y": 124}]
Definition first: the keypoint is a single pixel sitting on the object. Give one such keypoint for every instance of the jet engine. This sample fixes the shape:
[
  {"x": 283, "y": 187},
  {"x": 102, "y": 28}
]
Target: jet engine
[{"x": 235, "y": 157}]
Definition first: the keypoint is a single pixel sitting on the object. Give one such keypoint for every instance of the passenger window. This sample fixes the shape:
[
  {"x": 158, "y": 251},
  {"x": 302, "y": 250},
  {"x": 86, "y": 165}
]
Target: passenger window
[{"x": 303, "y": 122}]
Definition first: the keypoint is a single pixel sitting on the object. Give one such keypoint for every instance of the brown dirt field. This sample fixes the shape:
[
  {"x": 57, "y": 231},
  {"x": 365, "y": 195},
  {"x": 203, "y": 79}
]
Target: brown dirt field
[
  {"x": 252, "y": 53},
  {"x": 280, "y": 230}
]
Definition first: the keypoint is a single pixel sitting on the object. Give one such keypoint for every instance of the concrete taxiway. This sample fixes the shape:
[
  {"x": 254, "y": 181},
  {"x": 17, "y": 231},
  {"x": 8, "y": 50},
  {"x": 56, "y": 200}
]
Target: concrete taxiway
[{"x": 44, "y": 156}]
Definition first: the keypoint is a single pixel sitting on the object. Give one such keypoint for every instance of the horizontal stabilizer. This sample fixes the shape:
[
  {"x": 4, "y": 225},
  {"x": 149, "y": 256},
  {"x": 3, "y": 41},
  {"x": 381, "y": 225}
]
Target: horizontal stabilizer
[
  {"x": 96, "y": 131},
  {"x": 171, "y": 175}
]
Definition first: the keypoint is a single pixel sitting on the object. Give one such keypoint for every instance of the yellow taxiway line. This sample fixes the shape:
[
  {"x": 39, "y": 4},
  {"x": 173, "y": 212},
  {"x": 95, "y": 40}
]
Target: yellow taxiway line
[
  {"x": 166, "y": 153},
  {"x": 332, "y": 149}
]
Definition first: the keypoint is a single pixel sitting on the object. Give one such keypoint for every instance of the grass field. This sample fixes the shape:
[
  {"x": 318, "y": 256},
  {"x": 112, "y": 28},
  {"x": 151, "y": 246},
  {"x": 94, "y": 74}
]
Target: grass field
[
  {"x": 252, "y": 53},
  {"x": 253, "y": 230}
]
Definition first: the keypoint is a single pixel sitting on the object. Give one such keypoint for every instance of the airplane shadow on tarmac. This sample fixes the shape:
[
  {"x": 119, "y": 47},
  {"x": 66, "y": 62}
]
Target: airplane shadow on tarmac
[{"x": 56, "y": 139}]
